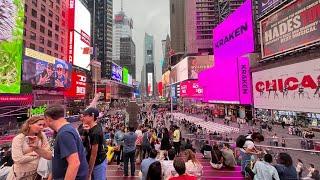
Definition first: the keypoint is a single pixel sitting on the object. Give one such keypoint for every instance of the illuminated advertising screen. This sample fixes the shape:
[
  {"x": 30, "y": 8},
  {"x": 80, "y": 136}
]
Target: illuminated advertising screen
[
  {"x": 190, "y": 89},
  {"x": 233, "y": 39},
  {"x": 116, "y": 73},
  {"x": 267, "y": 5},
  {"x": 11, "y": 44},
  {"x": 125, "y": 75},
  {"x": 293, "y": 26},
  {"x": 79, "y": 34},
  {"x": 294, "y": 87},
  {"x": 196, "y": 64},
  {"x": 78, "y": 86},
  {"x": 130, "y": 80},
  {"x": 43, "y": 70},
  {"x": 150, "y": 84}
]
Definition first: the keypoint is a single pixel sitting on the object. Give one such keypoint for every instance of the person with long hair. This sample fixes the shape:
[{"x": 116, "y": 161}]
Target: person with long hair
[
  {"x": 285, "y": 167},
  {"x": 27, "y": 148},
  {"x": 154, "y": 172},
  {"x": 193, "y": 166},
  {"x": 165, "y": 142}
]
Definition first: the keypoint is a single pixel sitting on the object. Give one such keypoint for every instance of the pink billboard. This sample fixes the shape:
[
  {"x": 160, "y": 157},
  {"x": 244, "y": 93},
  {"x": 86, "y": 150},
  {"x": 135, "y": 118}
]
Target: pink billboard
[
  {"x": 228, "y": 81},
  {"x": 190, "y": 89}
]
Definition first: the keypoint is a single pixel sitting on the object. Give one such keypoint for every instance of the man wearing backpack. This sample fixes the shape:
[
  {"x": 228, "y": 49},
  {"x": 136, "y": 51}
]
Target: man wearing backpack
[{"x": 247, "y": 148}]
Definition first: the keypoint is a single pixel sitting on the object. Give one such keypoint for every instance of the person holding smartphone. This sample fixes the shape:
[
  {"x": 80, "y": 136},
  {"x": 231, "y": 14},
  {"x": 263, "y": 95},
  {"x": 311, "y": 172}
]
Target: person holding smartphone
[{"x": 27, "y": 148}]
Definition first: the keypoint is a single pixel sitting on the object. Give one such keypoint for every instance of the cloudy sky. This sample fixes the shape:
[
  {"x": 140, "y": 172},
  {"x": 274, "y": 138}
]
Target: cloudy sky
[{"x": 151, "y": 16}]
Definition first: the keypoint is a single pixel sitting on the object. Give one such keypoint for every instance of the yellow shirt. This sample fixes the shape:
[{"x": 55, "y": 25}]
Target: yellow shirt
[{"x": 176, "y": 136}]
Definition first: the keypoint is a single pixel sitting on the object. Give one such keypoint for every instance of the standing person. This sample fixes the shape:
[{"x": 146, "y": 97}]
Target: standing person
[
  {"x": 283, "y": 142},
  {"x": 176, "y": 140},
  {"x": 165, "y": 140},
  {"x": 69, "y": 159},
  {"x": 275, "y": 140},
  {"x": 129, "y": 151},
  {"x": 96, "y": 154},
  {"x": 299, "y": 168},
  {"x": 146, "y": 143},
  {"x": 139, "y": 144},
  {"x": 264, "y": 169},
  {"x": 27, "y": 148},
  {"x": 118, "y": 140}
]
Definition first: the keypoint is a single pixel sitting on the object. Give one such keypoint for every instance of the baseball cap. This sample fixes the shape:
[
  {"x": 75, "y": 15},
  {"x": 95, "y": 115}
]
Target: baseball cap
[
  {"x": 60, "y": 66},
  {"x": 92, "y": 112}
]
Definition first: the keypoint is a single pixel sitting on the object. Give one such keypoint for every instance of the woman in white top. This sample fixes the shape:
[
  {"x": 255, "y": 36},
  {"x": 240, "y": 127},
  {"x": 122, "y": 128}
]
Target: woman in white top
[
  {"x": 193, "y": 166},
  {"x": 27, "y": 148}
]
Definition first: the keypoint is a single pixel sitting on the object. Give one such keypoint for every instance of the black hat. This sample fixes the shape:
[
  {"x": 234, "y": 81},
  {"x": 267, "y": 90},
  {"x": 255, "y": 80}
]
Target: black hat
[{"x": 92, "y": 112}]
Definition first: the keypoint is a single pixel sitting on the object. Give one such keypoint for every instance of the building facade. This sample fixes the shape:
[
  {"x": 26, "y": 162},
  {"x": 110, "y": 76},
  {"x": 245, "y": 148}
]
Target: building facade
[
  {"x": 201, "y": 17},
  {"x": 102, "y": 14},
  {"x": 122, "y": 28},
  {"x": 46, "y": 27},
  {"x": 177, "y": 24},
  {"x": 150, "y": 82},
  {"x": 166, "y": 58},
  {"x": 128, "y": 55}
]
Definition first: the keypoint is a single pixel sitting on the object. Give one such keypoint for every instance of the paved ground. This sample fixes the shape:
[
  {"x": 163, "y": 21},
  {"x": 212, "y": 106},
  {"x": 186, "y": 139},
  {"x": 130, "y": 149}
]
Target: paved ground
[{"x": 292, "y": 142}]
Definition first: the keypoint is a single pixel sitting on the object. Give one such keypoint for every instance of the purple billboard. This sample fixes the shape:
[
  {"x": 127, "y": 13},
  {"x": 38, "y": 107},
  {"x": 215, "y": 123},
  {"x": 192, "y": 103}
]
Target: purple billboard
[{"x": 233, "y": 38}]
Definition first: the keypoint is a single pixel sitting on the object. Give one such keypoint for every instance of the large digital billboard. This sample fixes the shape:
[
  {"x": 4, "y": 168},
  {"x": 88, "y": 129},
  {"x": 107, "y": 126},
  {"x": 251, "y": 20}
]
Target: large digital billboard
[
  {"x": 79, "y": 34},
  {"x": 267, "y": 5},
  {"x": 125, "y": 75},
  {"x": 191, "y": 89},
  {"x": 150, "y": 84},
  {"x": 294, "y": 26},
  {"x": 11, "y": 44},
  {"x": 196, "y": 64},
  {"x": 233, "y": 39},
  {"x": 78, "y": 86},
  {"x": 116, "y": 73},
  {"x": 294, "y": 87},
  {"x": 43, "y": 70}
]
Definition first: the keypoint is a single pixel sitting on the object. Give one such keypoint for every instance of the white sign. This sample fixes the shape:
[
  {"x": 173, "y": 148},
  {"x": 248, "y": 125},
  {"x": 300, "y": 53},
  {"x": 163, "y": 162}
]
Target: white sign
[
  {"x": 82, "y": 18},
  {"x": 80, "y": 59},
  {"x": 293, "y": 87},
  {"x": 150, "y": 84}
]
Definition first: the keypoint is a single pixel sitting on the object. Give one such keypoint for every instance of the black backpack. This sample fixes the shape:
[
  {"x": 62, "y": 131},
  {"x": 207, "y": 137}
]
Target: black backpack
[{"x": 241, "y": 140}]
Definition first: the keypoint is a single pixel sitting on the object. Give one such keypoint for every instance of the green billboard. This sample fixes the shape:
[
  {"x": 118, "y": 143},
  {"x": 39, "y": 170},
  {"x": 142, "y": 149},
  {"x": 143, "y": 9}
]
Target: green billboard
[
  {"x": 125, "y": 75},
  {"x": 11, "y": 44}
]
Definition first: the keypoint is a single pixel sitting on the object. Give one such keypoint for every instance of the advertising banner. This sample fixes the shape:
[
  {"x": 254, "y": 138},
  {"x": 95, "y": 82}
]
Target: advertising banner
[
  {"x": 293, "y": 26},
  {"x": 166, "y": 78},
  {"x": 78, "y": 86},
  {"x": 266, "y": 5},
  {"x": 245, "y": 87},
  {"x": 293, "y": 87},
  {"x": 190, "y": 89},
  {"x": 233, "y": 39},
  {"x": 20, "y": 100},
  {"x": 196, "y": 64},
  {"x": 125, "y": 75},
  {"x": 116, "y": 73},
  {"x": 47, "y": 71},
  {"x": 182, "y": 70},
  {"x": 150, "y": 84},
  {"x": 11, "y": 44}
]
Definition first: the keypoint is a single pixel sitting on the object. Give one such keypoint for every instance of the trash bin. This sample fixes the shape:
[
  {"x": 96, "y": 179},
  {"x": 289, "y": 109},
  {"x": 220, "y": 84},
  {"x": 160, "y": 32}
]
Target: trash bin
[{"x": 317, "y": 146}]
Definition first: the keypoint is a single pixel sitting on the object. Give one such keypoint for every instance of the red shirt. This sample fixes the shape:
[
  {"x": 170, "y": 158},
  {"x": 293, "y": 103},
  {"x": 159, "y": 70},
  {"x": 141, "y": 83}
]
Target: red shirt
[{"x": 184, "y": 177}]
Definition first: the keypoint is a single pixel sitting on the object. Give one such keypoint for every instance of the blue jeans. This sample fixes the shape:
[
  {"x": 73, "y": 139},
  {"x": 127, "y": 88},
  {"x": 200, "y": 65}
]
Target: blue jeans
[
  {"x": 99, "y": 171},
  {"x": 245, "y": 159}
]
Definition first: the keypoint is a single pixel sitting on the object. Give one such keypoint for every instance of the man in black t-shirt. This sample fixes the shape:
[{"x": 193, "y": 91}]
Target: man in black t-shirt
[{"x": 95, "y": 145}]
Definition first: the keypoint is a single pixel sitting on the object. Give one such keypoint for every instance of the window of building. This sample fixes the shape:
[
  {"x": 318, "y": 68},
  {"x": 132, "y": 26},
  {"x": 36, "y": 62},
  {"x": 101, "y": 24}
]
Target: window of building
[
  {"x": 58, "y": 1},
  {"x": 49, "y": 52},
  {"x": 41, "y": 49},
  {"x": 49, "y": 33},
  {"x": 35, "y": 2},
  {"x": 49, "y": 43},
  {"x": 42, "y": 18},
  {"x": 57, "y": 9},
  {"x": 56, "y": 47},
  {"x": 63, "y": 23},
  {"x": 50, "y": 13},
  {"x": 25, "y": 20},
  {"x": 34, "y": 13},
  {"x": 42, "y": 29},
  {"x": 50, "y": 23},
  {"x": 57, "y": 18},
  {"x": 56, "y": 55},
  {"x": 26, "y": 8},
  {"x": 50, "y": 3},
  {"x": 41, "y": 40},
  {"x": 32, "y": 46},
  {"x": 62, "y": 40},
  {"x": 33, "y": 24},
  {"x": 61, "y": 49},
  {"x": 56, "y": 37},
  {"x": 63, "y": 14},
  {"x": 43, "y": 8},
  {"x": 56, "y": 27},
  {"x": 33, "y": 36}
]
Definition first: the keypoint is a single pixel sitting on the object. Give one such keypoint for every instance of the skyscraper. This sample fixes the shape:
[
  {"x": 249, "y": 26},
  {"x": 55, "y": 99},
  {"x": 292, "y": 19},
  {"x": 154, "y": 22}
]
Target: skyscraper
[
  {"x": 122, "y": 27},
  {"x": 201, "y": 18},
  {"x": 102, "y": 12},
  {"x": 177, "y": 25},
  {"x": 150, "y": 82},
  {"x": 128, "y": 55}
]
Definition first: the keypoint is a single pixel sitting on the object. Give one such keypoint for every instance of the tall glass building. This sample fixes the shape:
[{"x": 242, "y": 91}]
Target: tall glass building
[{"x": 149, "y": 75}]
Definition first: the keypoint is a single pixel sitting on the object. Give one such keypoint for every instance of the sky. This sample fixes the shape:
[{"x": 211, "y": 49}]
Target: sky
[{"x": 152, "y": 17}]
